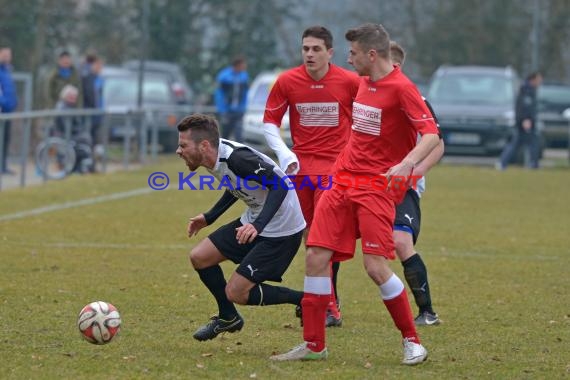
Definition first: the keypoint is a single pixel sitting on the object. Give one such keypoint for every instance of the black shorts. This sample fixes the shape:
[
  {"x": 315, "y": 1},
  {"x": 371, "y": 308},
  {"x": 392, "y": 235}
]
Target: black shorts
[
  {"x": 408, "y": 215},
  {"x": 265, "y": 259}
]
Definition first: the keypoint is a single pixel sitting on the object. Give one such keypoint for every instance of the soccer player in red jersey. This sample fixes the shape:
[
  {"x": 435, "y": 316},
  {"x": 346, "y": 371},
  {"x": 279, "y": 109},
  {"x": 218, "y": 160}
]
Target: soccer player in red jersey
[
  {"x": 388, "y": 113},
  {"x": 319, "y": 97}
]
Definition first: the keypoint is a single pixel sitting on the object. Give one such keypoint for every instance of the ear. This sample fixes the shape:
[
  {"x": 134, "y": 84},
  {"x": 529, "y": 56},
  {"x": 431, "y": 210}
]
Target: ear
[{"x": 204, "y": 146}]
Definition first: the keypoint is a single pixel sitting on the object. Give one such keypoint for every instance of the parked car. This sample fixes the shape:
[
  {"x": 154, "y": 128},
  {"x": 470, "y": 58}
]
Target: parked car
[
  {"x": 475, "y": 107},
  {"x": 120, "y": 95},
  {"x": 178, "y": 83},
  {"x": 253, "y": 118},
  {"x": 553, "y": 100}
]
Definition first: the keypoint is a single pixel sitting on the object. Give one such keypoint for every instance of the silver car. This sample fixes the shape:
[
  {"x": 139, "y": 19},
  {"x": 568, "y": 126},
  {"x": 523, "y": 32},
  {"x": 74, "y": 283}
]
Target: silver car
[{"x": 253, "y": 118}]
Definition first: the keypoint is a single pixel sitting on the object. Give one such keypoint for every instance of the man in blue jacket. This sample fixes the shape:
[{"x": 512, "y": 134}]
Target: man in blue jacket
[
  {"x": 231, "y": 97},
  {"x": 8, "y": 101}
]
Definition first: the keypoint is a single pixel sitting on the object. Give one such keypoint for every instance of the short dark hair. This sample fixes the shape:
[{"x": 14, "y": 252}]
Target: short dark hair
[
  {"x": 321, "y": 33},
  {"x": 204, "y": 127},
  {"x": 91, "y": 58},
  {"x": 397, "y": 53},
  {"x": 371, "y": 37},
  {"x": 64, "y": 53},
  {"x": 238, "y": 60}
]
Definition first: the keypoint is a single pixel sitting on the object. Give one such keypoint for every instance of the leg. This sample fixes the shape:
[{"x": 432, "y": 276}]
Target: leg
[
  {"x": 376, "y": 215},
  {"x": 534, "y": 147},
  {"x": 238, "y": 126},
  {"x": 266, "y": 261},
  {"x": 205, "y": 258},
  {"x": 334, "y": 318},
  {"x": 6, "y": 150},
  {"x": 415, "y": 273},
  {"x": 331, "y": 229},
  {"x": 510, "y": 150},
  {"x": 396, "y": 301}
]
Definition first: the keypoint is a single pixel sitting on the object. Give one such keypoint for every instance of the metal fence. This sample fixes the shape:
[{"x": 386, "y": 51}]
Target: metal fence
[{"x": 137, "y": 133}]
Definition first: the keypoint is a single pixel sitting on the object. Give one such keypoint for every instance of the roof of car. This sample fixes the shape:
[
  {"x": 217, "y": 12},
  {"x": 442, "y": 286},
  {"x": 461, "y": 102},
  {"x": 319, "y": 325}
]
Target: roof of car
[{"x": 467, "y": 69}]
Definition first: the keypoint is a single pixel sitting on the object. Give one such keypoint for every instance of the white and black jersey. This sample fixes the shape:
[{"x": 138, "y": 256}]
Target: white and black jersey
[{"x": 273, "y": 207}]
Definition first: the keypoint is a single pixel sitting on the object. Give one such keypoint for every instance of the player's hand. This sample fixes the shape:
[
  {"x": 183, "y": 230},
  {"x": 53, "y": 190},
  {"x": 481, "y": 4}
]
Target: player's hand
[
  {"x": 292, "y": 168},
  {"x": 246, "y": 233},
  {"x": 402, "y": 170},
  {"x": 195, "y": 224}
]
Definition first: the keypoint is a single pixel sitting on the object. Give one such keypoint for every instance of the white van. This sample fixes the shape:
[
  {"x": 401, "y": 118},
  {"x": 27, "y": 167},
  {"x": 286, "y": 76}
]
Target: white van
[{"x": 253, "y": 118}]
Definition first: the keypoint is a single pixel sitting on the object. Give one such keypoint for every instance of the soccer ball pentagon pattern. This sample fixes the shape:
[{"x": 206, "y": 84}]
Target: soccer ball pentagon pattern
[{"x": 99, "y": 322}]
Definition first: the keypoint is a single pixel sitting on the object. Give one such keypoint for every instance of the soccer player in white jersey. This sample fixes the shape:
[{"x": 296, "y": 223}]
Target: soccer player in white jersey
[
  {"x": 263, "y": 241},
  {"x": 319, "y": 96}
]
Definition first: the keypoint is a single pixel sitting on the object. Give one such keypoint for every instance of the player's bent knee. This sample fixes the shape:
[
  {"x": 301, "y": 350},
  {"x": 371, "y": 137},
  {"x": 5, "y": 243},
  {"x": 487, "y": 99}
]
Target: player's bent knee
[
  {"x": 236, "y": 294},
  {"x": 197, "y": 259}
]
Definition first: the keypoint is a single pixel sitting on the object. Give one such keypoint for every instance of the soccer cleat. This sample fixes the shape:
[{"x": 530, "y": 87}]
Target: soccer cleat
[
  {"x": 414, "y": 353},
  {"x": 427, "y": 319},
  {"x": 217, "y": 326},
  {"x": 333, "y": 320},
  {"x": 301, "y": 352}
]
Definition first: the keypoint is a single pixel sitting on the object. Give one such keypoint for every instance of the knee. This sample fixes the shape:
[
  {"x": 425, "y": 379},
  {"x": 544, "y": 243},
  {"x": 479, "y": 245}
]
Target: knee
[
  {"x": 317, "y": 261},
  {"x": 196, "y": 259},
  {"x": 235, "y": 294},
  {"x": 404, "y": 245}
]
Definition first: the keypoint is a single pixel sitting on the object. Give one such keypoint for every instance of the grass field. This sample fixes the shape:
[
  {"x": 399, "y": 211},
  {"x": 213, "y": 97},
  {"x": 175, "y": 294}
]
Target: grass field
[{"x": 496, "y": 246}]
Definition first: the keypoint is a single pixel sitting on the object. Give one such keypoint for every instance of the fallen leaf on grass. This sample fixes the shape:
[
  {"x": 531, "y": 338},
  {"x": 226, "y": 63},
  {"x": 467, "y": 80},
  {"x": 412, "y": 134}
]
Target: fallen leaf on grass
[{"x": 207, "y": 355}]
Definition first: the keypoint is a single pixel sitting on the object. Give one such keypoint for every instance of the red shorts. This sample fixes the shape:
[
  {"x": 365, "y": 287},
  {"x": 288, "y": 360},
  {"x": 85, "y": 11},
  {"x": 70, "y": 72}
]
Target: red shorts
[
  {"x": 309, "y": 189},
  {"x": 345, "y": 214}
]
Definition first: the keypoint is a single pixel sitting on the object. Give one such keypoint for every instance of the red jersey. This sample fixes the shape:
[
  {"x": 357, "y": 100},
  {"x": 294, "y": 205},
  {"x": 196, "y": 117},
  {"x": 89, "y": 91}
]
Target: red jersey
[
  {"x": 387, "y": 116},
  {"x": 319, "y": 114}
]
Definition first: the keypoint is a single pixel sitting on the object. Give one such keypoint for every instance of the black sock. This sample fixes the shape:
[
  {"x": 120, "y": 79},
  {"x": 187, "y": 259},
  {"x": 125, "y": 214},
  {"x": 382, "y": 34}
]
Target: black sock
[
  {"x": 335, "y": 268},
  {"x": 416, "y": 276},
  {"x": 213, "y": 278},
  {"x": 264, "y": 295}
]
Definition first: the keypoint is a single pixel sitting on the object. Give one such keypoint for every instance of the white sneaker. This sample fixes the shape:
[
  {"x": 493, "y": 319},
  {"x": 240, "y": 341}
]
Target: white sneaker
[
  {"x": 414, "y": 353},
  {"x": 301, "y": 352}
]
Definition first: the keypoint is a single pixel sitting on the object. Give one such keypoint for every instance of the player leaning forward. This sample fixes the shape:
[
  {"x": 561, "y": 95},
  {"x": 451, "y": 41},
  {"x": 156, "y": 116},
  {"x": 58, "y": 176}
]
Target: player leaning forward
[
  {"x": 388, "y": 113},
  {"x": 263, "y": 241}
]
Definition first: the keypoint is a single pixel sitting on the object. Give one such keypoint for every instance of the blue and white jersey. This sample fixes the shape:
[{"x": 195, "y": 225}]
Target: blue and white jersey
[{"x": 249, "y": 175}]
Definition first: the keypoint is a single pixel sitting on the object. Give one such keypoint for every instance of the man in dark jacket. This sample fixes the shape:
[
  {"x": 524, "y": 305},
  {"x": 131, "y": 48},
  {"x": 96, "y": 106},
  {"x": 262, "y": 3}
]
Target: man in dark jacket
[
  {"x": 65, "y": 73},
  {"x": 526, "y": 115},
  {"x": 8, "y": 101}
]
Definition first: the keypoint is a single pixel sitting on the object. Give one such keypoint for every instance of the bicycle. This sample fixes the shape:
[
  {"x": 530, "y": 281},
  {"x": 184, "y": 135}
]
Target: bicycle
[{"x": 56, "y": 157}]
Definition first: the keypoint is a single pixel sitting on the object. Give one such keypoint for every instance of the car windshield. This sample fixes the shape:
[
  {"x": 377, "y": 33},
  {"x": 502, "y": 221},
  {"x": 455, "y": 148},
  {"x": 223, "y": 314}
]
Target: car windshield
[
  {"x": 123, "y": 91},
  {"x": 471, "y": 88},
  {"x": 553, "y": 98}
]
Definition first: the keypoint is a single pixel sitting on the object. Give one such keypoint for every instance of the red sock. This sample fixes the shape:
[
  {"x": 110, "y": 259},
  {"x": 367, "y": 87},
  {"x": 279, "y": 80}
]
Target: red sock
[
  {"x": 332, "y": 307},
  {"x": 314, "y": 315},
  {"x": 401, "y": 313}
]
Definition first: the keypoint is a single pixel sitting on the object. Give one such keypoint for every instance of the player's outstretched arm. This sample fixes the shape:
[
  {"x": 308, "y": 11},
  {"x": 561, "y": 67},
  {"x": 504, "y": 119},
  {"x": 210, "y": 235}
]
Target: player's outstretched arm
[{"x": 288, "y": 161}]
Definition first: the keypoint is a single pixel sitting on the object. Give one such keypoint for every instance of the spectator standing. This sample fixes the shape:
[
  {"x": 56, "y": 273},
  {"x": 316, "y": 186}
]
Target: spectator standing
[
  {"x": 8, "y": 101},
  {"x": 65, "y": 73},
  {"x": 92, "y": 83},
  {"x": 525, "y": 116},
  {"x": 231, "y": 97}
]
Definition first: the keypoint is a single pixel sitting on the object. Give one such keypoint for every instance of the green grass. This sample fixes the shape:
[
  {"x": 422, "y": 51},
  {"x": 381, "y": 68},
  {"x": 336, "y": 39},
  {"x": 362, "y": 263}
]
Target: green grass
[{"x": 496, "y": 246}]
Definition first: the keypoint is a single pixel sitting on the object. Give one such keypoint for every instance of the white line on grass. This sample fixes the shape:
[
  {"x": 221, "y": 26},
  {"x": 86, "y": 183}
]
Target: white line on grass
[
  {"x": 79, "y": 203},
  {"x": 122, "y": 246}
]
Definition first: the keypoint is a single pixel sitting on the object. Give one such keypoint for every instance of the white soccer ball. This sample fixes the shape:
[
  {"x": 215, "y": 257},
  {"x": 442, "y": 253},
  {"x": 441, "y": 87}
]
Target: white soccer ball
[{"x": 99, "y": 322}]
